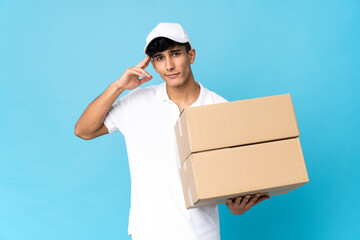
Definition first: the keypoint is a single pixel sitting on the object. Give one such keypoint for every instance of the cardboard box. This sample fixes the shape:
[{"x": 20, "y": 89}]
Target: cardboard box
[
  {"x": 211, "y": 177},
  {"x": 235, "y": 123}
]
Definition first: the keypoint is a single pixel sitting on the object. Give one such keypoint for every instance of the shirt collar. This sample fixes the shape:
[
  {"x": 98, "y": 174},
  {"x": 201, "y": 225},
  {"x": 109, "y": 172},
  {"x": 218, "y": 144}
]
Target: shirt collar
[
  {"x": 161, "y": 93},
  {"x": 204, "y": 96}
]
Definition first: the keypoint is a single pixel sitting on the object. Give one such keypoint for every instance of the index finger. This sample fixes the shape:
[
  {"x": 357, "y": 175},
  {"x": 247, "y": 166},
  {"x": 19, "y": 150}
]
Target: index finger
[{"x": 144, "y": 63}]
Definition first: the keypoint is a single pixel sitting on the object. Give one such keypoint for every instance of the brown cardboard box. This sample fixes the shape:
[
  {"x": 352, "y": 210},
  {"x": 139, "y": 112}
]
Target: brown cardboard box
[
  {"x": 235, "y": 123},
  {"x": 211, "y": 177}
]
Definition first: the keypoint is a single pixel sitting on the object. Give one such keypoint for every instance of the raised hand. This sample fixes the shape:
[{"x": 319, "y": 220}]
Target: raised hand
[{"x": 135, "y": 76}]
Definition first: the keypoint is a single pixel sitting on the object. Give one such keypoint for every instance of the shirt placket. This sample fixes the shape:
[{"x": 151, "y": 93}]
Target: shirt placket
[{"x": 174, "y": 111}]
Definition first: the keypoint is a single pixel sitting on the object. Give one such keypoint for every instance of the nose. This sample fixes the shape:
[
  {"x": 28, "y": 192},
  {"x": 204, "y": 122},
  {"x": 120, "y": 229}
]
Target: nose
[{"x": 169, "y": 64}]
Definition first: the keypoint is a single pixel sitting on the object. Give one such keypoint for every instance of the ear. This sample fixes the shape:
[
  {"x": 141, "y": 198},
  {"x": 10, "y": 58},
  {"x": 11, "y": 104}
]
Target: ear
[
  {"x": 192, "y": 54},
  {"x": 153, "y": 64}
]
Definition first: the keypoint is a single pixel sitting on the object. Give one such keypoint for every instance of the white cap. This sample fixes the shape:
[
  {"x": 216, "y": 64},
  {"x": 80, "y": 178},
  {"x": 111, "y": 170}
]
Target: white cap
[{"x": 173, "y": 31}]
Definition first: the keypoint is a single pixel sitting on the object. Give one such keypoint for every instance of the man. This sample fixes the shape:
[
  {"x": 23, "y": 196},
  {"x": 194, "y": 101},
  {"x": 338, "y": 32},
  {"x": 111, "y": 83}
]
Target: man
[{"x": 146, "y": 117}]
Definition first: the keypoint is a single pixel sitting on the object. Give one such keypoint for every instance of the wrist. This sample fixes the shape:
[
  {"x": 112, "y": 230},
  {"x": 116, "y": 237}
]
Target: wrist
[{"x": 118, "y": 87}]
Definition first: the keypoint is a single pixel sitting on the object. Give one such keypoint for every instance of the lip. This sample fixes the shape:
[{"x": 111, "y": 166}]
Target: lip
[{"x": 172, "y": 76}]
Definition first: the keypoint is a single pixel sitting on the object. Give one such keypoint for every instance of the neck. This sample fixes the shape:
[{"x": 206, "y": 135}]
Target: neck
[{"x": 184, "y": 95}]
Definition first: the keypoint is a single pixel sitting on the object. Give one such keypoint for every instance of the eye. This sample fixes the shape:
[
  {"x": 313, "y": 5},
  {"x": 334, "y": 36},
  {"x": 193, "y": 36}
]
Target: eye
[
  {"x": 158, "y": 58},
  {"x": 176, "y": 54}
]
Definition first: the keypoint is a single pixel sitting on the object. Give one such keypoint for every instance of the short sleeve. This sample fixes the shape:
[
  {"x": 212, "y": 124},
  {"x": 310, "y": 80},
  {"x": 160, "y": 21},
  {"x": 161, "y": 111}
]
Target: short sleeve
[{"x": 116, "y": 117}]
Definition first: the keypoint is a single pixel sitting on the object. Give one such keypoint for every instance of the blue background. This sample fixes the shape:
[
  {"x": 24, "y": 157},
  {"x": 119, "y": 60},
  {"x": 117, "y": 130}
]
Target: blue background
[{"x": 57, "y": 56}]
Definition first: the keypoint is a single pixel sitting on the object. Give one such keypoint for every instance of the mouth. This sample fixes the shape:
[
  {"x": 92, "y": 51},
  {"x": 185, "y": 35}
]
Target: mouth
[{"x": 172, "y": 76}]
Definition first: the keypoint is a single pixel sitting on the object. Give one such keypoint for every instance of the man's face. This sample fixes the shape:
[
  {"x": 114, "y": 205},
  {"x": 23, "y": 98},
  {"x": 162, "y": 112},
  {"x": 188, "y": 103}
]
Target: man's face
[{"x": 173, "y": 65}]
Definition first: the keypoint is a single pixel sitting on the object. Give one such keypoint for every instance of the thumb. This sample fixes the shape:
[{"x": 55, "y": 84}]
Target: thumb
[{"x": 145, "y": 79}]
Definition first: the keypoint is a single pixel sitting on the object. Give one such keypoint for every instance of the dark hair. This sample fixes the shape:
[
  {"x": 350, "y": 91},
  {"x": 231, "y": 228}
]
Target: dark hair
[{"x": 161, "y": 44}]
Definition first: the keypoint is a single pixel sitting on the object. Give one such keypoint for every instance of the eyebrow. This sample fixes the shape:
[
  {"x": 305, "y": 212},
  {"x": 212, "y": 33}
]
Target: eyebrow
[
  {"x": 157, "y": 55},
  {"x": 171, "y": 51}
]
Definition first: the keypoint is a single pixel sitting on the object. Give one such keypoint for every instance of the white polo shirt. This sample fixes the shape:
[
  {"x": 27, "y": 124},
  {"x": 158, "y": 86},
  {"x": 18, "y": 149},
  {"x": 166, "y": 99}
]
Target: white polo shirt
[{"x": 146, "y": 117}]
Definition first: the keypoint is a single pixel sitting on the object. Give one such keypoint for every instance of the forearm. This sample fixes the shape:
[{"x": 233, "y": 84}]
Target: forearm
[
  {"x": 94, "y": 115},
  {"x": 90, "y": 124}
]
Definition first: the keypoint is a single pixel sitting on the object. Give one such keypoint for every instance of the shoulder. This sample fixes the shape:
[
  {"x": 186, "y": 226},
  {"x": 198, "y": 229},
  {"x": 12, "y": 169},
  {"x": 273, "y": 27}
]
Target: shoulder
[
  {"x": 141, "y": 94},
  {"x": 143, "y": 91},
  {"x": 216, "y": 98}
]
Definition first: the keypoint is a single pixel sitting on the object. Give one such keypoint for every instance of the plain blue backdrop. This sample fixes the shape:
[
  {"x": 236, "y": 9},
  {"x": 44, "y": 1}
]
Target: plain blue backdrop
[{"x": 57, "y": 56}]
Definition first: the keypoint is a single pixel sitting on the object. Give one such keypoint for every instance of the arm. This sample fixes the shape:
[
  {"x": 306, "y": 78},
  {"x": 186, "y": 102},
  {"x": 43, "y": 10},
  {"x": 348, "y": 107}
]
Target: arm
[
  {"x": 90, "y": 125},
  {"x": 239, "y": 207}
]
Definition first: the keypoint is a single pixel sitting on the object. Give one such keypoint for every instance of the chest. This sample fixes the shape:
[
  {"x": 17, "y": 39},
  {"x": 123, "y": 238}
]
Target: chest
[{"x": 153, "y": 124}]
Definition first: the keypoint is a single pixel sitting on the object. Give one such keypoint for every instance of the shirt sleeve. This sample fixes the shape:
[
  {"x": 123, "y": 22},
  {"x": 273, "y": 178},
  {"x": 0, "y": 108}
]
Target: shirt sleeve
[{"x": 117, "y": 115}]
